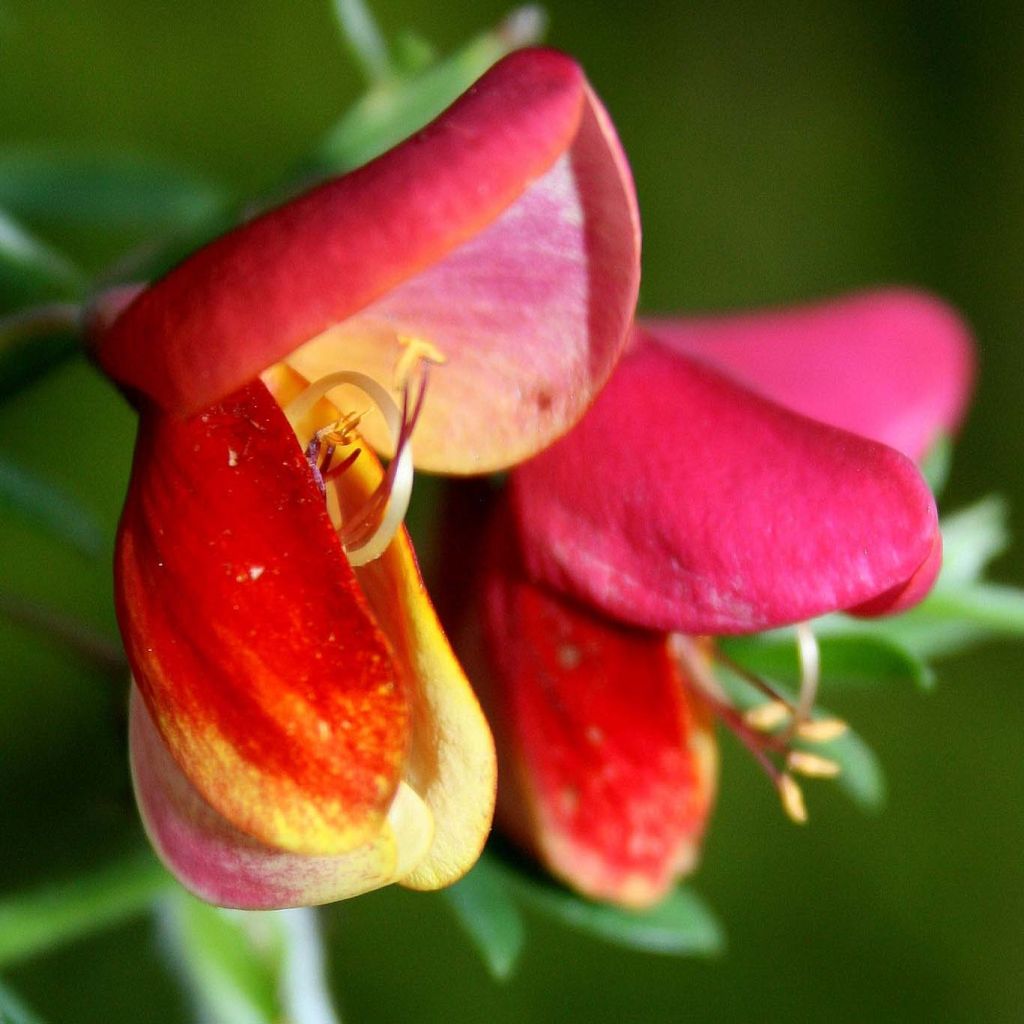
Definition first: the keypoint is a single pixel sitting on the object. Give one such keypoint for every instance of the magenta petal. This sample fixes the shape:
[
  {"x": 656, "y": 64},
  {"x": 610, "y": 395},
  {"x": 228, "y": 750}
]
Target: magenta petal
[
  {"x": 531, "y": 314},
  {"x": 220, "y": 863},
  {"x": 684, "y": 502},
  {"x": 255, "y": 295},
  {"x": 895, "y": 366}
]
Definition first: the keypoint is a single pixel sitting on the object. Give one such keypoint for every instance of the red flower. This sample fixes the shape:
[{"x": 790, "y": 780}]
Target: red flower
[
  {"x": 304, "y": 732},
  {"x": 736, "y": 474}
]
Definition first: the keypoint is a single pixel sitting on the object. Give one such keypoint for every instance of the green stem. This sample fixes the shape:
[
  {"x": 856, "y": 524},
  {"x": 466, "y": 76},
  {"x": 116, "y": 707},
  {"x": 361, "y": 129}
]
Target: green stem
[
  {"x": 39, "y": 320},
  {"x": 54, "y": 914},
  {"x": 90, "y": 644},
  {"x": 365, "y": 40}
]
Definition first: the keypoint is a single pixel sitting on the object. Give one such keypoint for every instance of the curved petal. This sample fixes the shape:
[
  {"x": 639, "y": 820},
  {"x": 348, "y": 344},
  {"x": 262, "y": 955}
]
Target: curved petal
[
  {"x": 895, "y": 365},
  {"x": 225, "y": 866},
  {"x": 608, "y": 762},
  {"x": 531, "y": 315},
  {"x": 524, "y": 173},
  {"x": 247, "y": 633},
  {"x": 451, "y": 759},
  {"x": 684, "y": 502}
]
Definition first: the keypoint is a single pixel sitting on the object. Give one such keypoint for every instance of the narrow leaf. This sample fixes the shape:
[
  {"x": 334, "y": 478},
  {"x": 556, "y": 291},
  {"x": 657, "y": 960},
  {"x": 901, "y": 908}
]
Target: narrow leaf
[
  {"x": 103, "y": 191},
  {"x": 31, "y": 270},
  {"x": 681, "y": 925},
  {"x": 40, "y": 919},
  {"x": 937, "y": 463},
  {"x": 861, "y": 777},
  {"x": 365, "y": 40},
  {"x": 48, "y": 508},
  {"x": 491, "y": 919},
  {"x": 971, "y": 538},
  {"x": 13, "y": 1010},
  {"x": 399, "y": 107},
  {"x": 857, "y": 659}
]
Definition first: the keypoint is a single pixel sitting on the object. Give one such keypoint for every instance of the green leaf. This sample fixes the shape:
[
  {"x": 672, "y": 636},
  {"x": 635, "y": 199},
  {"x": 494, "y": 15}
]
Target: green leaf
[
  {"x": 937, "y": 463},
  {"x": 856, "y": 659},
  {"x": 13, "y": 1010},
  {"x": 364, "y": 38},
  {"x": 971, "y": 539},
  {"x": 103, "y": 191},
  {"x": 861, "y": 777},
  {"x": 49, "y": 508},
  {"x": 25, "y": 360},
  {"x": 681, "y": 925},
  {"x": 38, "y": 920},
  {"x": 31, "y": 270},
  {"x": 490, "y": 917},
  {"x": 36, "y": 340},
  {"x": 396, "y": 109}
]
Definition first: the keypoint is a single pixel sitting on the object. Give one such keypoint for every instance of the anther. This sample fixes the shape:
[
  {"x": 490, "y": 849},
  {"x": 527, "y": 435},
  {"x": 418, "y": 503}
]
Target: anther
[
  {"x": 821, "y": 730},
  {"x": 811, "y": 765},
  {"x": 792, "y": 799},
  {"x": 766, "y": 717},
  {"x": 373, "y": 527}
]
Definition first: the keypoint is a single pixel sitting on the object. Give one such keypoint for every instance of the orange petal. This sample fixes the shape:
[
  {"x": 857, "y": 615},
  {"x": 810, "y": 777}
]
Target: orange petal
[
  {"x": 257, "y": 655},
  {"x": 225, "y": 866},
  {"x": 608, "y": 762},
  {"x": 451, "y": 764}
]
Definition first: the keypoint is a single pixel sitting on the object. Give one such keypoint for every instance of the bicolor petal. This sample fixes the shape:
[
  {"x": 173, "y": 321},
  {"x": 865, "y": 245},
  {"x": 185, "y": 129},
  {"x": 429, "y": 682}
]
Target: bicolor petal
[
  {"x": 505, "y": 234},
  {"x": 896, "y": 365},
  {"x": 451, "y": 761},
  {"x": 256, "y": 652},
  {"x": 224, "y": 865},
  {"x": 608, "y": 759},
  {"x": 685, "y": 502}
]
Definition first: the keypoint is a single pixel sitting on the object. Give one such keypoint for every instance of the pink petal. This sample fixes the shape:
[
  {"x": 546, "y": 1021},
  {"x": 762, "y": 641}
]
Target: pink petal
[
  {"x": 517, "y": 210},
  {"x": 220, "y": 863},
  {"x": 684, "y": 502},
  {"x": 895, "y": 365}
]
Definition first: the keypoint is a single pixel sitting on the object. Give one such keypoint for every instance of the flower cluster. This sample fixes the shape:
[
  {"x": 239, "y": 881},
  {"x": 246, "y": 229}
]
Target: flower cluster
[{"x": 300, "y": 728}]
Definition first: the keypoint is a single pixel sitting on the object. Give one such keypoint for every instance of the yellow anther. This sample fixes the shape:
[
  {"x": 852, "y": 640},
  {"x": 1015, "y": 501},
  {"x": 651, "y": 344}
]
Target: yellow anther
[
  {"x": 792, "y": 799},
  {"x": 768, "y": 716},
  {"x": 415, "y": 351},
  {"x": 821, "y": 730},
  {"x": 811, "y": 765},
  {"x": 340, "y": 431}
]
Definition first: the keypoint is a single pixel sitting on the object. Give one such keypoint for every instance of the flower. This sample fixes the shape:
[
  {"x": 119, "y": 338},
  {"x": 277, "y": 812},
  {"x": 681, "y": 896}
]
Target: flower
[
  {"x": 736, "y": 474},
  {"x": 300, "y": 730}
]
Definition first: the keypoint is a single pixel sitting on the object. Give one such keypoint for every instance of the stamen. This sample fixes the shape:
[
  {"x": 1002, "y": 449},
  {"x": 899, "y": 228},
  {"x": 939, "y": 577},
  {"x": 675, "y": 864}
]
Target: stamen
[
  {"x": 766, "y": 717},
  {"x": 811, "y": 765},
  {"x": 369, "y": 532},
  {"x": 821, "y": 730},
  {"x": 792, "y": 797},
  {"x": 768, "y": 730}
]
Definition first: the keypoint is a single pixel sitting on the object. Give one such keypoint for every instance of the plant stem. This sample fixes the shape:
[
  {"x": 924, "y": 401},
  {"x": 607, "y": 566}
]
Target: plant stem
[{"x": 44, "y": 319}]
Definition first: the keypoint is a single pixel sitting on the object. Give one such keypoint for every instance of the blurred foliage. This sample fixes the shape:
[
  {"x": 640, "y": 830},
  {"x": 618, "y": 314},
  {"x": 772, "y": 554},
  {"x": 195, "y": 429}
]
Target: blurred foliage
[{"x": 781, "y": 152}]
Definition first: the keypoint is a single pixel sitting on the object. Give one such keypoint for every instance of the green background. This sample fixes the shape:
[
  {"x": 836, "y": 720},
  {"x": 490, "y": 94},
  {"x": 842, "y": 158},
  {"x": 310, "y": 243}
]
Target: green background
[{"x": 781, "y": 152}]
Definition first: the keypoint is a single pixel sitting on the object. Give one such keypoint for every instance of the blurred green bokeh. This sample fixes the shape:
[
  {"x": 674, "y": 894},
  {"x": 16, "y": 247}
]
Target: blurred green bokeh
[{"x": 782, "y": 152}]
